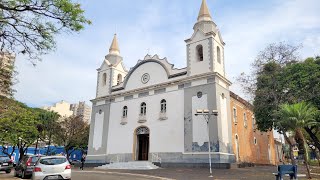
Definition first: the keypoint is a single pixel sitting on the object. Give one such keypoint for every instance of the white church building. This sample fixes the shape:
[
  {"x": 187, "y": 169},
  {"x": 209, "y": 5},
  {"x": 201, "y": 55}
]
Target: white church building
[{"x": 149, "y": 111}]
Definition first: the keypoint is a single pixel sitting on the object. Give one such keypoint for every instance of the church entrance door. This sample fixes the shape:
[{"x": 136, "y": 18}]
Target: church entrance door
[{"x": 142, "y": 143}]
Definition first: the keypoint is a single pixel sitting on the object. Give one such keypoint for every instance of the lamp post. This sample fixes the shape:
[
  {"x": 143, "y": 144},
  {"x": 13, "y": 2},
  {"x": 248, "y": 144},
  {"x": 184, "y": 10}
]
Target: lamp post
[{"x": 207, "y": 115}]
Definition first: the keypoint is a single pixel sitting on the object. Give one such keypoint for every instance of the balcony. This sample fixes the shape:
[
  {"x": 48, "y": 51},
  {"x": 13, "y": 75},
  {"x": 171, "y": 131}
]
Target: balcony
[
  {"x": 124, "y": 120},
  {"x": 142, "y": 118},
  {"x": 163, "y": 116}
]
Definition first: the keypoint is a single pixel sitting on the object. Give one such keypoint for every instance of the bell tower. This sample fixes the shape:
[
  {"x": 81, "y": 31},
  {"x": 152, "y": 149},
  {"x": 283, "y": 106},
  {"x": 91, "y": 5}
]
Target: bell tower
[
  {"x": 112, "y": 71},
  {"x": 205, "y": 48}
]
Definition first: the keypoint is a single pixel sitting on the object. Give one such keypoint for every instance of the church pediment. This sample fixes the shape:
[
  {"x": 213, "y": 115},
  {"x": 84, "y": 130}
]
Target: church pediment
[{"x": 152, "y": 67}]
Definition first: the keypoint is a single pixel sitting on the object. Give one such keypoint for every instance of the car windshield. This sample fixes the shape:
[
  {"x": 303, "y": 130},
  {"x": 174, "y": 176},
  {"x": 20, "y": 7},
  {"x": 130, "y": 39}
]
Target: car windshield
[
  {"x": 53, "y": 161},
  {"x": 34, "y": 159},
  {"x": 2, "y": 158}
]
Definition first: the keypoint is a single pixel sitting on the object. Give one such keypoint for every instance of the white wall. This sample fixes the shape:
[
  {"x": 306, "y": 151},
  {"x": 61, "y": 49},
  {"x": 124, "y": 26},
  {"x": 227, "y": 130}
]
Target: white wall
[
  {"x": 165, "y": 136},
  {"x": 199, "y": 124},
  {"x": 118, "y": 70},
  {"x": 199, "y": 67},
  {"x": 218, "y": 67},
  {"x": 157, "y": 75},
  {"x": 224, "y": 119},
  {"x": 98, "y": 130},
  {"x": 103, "y": 90}
]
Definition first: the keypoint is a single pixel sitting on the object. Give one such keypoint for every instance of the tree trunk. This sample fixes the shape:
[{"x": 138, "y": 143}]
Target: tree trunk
[
  {"x": 48, "y": 149},
  {"x": 301, "y": 137},
  {"x": 293, "y": 161},
  {"x": 314, "y": 138},
  {"x": 35, "y": 151}
]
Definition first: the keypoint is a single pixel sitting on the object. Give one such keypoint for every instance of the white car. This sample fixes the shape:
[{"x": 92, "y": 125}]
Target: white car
[{"x": 52, "y": 167}]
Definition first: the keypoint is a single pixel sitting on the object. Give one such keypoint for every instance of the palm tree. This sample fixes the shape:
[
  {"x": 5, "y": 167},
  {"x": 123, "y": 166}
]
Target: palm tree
[{"x": 296, "y": 117}]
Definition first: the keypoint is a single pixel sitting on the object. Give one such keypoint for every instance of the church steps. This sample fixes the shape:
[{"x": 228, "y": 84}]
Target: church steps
[{"x": 133, "y": 165}]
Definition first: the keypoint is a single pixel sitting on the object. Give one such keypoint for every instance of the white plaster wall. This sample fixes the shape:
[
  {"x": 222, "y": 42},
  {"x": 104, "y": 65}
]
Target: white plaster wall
[
  {"x": 118, "y": 70},
  {"x": 224, "y": 120},
  {"x": 103, "y": 90},
  {"x": 165, "y": 136},
  {"x": 199, "y": 82},
  {"x": 218, "y": 67},
  {"x": 223, "y": 84},
  {"x": 157, "y": 75},
  {"x": 97, "y": 132},
  {"x": 199, "y": 67},
  {"x": 199, "y": 125}
]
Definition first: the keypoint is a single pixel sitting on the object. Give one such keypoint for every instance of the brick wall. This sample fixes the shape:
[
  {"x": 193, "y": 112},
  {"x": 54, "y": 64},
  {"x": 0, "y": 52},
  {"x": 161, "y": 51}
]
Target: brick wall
[{"x": 253, "y": 146}]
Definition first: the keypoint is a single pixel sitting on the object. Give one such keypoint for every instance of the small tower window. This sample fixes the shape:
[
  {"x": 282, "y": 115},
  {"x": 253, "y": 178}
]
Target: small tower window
[
  {"x": 104, "y": 79},
  {"x": 119, "y": 79},
  {"x": 163, "y": 105},
  {"x": 143, "y": 108},
  {"x": 255, "y": 141},
  {"x": 218, "y": 55},
  {"x": 125, "y": 112},
  {"x": 199, "y": 49}
]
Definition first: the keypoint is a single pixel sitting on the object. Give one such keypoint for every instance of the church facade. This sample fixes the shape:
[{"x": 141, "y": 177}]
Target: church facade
[{"x": 148, "y": 112}]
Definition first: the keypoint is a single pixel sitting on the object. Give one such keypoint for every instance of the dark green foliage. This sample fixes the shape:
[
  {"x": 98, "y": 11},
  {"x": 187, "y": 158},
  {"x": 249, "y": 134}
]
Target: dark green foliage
[
  {"x": 29, "y": 26},
  {"x": 292, "y": 83}
]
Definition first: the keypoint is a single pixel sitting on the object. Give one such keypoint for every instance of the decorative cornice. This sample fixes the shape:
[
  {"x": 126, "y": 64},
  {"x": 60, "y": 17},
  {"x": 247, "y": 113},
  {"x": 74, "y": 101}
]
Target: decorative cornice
[{"x": 163, "y": 85}]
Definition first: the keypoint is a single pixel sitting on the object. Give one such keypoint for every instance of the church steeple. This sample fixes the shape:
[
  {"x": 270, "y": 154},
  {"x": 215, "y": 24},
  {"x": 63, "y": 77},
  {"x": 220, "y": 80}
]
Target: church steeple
[
  {"x": 204, "y": 13},
  {"x": 114, "y": 48}
]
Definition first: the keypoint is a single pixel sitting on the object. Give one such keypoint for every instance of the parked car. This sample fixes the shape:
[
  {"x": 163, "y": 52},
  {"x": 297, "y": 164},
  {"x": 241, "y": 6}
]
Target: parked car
[
  {"x": 25, "y": 167},
  {"x": 6, "y": 164},
  {"x": 52, "y": 167}
]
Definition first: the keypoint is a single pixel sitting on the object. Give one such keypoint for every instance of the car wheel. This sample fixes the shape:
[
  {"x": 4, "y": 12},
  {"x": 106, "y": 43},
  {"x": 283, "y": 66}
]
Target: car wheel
[{"x": 8, "y": 171}]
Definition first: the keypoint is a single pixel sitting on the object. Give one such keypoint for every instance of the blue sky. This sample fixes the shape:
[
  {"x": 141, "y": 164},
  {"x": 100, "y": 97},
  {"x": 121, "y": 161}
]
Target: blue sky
[{"x": 69, "y": 73}]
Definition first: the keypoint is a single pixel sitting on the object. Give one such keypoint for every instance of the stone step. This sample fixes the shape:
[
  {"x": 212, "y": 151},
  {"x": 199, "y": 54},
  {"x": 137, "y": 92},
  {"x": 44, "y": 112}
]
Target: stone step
[{"x": 139, "y": 165}]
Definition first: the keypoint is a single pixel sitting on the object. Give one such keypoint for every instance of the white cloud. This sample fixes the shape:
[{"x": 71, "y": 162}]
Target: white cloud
[{"x": 70, "y": 72}]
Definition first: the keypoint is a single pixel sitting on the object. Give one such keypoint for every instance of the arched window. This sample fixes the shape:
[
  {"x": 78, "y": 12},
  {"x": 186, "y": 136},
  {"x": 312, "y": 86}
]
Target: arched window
[
  {"x": 104, "y": 79},
  {"x": 255, "y": 140},
  {"x": 143, "y": 108},
  {"x": 199, "y": 49},
  {"x": 125, "y": 112},
  {"x": 163, "y": 106},
  {"x": 119, "y": 79},
  {"x": 218, "y": 55}
]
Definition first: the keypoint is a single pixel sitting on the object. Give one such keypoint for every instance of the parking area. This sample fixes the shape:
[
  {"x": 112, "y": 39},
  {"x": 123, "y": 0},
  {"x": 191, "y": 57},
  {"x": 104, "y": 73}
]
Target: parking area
[{"x": 250, "y": 173}]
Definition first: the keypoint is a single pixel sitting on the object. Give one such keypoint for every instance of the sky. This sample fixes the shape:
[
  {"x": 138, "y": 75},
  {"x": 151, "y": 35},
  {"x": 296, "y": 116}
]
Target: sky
[{"x": 160, "y": 27}]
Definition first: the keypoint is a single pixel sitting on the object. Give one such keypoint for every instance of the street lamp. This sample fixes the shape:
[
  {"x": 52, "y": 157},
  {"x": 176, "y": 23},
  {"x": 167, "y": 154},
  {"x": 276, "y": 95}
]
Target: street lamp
[{"x": 207, "y": 115}]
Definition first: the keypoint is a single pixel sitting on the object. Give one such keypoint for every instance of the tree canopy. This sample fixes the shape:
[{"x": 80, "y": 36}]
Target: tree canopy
[
  {"x": 22, "y": 126},
  {"x": 29, "y": 27}
]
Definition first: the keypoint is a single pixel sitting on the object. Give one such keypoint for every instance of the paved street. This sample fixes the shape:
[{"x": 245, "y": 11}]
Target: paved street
[{"x": 252, "y": 173}]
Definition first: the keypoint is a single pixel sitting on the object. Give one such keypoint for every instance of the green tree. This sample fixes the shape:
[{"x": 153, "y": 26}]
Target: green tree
[
  {"x": 296, "y": 117},
  {"x": 280, "y": 53},
  {"x": 47, "y": 123},
  {"x": 73, "y": 134},
  {"x": 303, "y": 84},
  {"x": 29, "y": 26},
  {"x": 17, "y": 125}
]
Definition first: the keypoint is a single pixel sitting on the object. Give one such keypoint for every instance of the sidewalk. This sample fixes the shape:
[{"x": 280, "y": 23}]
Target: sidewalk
[{"x": 250, "y": 173}]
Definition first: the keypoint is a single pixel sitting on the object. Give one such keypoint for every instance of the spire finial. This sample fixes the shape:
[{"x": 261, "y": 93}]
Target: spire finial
[
  {"x": 204, "y": 13},
  {"x": 114, "y": 48}
]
